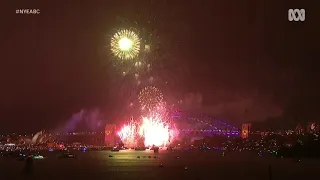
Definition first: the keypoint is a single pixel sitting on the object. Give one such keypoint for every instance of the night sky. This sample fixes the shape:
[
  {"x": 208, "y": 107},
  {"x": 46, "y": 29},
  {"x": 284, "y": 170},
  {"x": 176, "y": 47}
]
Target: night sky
[{"x": 245, "y": 59}]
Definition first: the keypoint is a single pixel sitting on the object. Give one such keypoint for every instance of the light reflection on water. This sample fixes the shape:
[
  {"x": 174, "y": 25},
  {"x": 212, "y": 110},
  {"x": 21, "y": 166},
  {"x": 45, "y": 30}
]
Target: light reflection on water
[{"x": 127, "y": 163}]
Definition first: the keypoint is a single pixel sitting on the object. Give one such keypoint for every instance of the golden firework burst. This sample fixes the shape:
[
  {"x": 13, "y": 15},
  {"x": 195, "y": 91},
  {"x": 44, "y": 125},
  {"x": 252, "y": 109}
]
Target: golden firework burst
[{"x": 125, "y": 44}]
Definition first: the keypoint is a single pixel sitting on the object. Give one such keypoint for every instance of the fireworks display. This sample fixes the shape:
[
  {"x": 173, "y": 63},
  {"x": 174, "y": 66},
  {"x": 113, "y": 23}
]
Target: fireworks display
[
  {"x": 133, "y": 56},
  {"x": 125, "y": 44},
  {"x": 128, "y": 134},
  {"x": 150, "y": 98},
  {"x": 155, "y": 130}
]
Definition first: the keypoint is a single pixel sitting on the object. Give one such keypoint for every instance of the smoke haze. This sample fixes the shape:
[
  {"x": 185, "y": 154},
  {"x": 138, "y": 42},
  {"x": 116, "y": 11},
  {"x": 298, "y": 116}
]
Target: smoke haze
[
  {"x": 84, "y": 120},
  {"x": 235, "y": 109}
]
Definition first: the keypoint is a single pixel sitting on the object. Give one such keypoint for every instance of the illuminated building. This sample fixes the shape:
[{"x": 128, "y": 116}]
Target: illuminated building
[
  {"x": 245, "y": 130},
  {"x": 39, "y": 138},
  {"x": 110, "y": 135}
]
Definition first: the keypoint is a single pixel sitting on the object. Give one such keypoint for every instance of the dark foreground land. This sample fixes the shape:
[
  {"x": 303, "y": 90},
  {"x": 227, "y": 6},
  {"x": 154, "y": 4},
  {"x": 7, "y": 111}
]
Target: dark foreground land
[{"x": 189, "y": 165}]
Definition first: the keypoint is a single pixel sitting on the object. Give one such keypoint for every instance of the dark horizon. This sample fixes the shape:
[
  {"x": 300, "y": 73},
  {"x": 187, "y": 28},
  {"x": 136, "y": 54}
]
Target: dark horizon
[{"x": 241, "y": 61}]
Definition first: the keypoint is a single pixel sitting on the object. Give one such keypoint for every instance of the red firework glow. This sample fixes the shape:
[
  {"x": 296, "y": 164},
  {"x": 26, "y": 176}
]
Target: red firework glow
[
  {"x": 128, "y": 134},
  {"x": 155, "y": 130}
]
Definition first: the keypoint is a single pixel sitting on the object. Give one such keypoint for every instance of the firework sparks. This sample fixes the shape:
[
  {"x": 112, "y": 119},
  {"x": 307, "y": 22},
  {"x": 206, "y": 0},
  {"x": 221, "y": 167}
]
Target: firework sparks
[
  {"x": 150, "y": 98},
  {"x": 155, "y": 130},
  {"x": 125, "y": 44},
  {"x": 128, "y": 134}
]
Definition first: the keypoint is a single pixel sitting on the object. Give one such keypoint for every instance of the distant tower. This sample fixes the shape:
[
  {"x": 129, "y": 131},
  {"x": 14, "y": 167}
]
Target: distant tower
[
  {"x": 110, "y": 135},
  {"x": 245, "y": 130}
]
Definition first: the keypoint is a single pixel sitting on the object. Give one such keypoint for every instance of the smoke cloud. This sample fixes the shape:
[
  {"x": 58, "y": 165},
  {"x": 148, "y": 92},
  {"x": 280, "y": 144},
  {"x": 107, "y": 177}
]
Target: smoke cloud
[
  {"x": 87, "y": 120},
  {"x": 243, "y": 110},
  {"x": 192, "y": 102},
  {"x": 235, "y": 108}
]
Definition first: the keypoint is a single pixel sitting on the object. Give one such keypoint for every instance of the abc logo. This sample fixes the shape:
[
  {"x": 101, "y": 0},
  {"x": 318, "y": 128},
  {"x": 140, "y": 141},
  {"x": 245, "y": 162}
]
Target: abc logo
[{"x": 296, "y": 14}]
